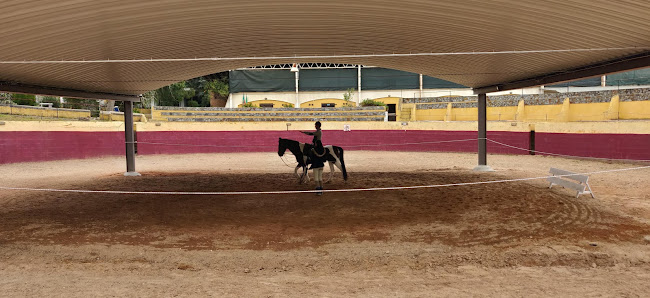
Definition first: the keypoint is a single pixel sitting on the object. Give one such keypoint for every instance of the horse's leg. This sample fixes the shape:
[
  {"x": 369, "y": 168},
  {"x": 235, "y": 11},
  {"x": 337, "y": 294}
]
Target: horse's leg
[
  {"x": 301, "y": 176},
  {"x": 305, "y": 175},
  {"x": 331, "y": 172},
  {"x": 337, "y": 164},
  {"x": 296, "y": 171}
]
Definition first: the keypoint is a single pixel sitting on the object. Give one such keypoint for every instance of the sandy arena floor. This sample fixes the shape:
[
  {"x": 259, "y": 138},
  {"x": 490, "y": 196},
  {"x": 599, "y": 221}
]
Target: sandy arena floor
[{"x": 505, "y": 239}]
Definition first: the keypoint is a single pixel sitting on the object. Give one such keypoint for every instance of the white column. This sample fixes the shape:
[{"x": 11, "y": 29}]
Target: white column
[
  {"x": 603, "y": 81},
  {"x": 358, "y": 84},
  {"x": 230, "y": 103},
  {"x": 297, "y": 98},
  {"x": 420, "y": 85}
]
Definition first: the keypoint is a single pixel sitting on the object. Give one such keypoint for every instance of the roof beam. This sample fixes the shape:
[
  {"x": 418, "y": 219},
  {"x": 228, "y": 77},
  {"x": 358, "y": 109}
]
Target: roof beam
[
  {"x": 618, "y": 65},
  {"x": 40, "y": 90}
]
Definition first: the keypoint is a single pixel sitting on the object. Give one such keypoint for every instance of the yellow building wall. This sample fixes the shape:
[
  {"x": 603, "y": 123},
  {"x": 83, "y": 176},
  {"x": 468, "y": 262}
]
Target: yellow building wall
[
  {"x": 534, "y": 113},
  {"x": 44, "y": 112},
  {"x": 298, "y": 126},
  {"x": 630, "y": 110},
  {"x": 275, "y": 103},
  {"x": 464, "y": 114},
  {"x": 392, "y": 100},
  {"x": 407, "y": 112},
  {"x": 542, "y": 113},
  {"x": 499, "y": 113},
  {"x": 619, "y": 127},
  {"x": 119, "y": 116},
  {"x": 430, "y": 114},
  {"x": 318, "y": 102},
  {"x": 577, "y": 112},
  {"x": 588, "y": 111}
]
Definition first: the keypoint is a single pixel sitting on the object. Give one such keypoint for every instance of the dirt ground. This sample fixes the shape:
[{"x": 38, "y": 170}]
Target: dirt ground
[{"x": 502, "y": 239}]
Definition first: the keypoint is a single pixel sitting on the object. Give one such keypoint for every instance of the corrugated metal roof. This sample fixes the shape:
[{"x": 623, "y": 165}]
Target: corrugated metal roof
[{"x": 172, "y": 29}]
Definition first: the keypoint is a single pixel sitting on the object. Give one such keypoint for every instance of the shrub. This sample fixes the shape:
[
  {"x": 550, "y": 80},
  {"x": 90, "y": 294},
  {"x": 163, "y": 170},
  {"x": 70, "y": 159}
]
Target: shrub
[
  {"x": 371, "y": 103},
  {"x": 78, "y": 103},
  {"x": 192, "y": 103},
  {"x": 248, "y": 105},
  {"x": 24, "y": 99},
  {"x": 287, "y": 105}
]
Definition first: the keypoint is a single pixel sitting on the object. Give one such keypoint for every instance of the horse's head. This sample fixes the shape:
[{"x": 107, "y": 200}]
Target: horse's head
[{"x": 282, "y": 146}]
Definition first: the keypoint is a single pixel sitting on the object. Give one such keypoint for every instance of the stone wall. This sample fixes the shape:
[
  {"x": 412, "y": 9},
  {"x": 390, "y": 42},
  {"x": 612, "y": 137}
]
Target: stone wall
[
  {"x": 634, "y": 94},
  {"x": 531, "y": 99},
  {"x": 213, "y": 114}
]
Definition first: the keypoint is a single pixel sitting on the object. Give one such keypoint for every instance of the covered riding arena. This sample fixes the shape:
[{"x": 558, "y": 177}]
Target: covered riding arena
[
  {"x": 495, "y": 239},
  {"x": 213, "y": 211}
]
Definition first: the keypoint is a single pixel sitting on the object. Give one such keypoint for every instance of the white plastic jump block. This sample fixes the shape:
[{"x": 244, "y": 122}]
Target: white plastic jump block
[{"x": 562, "y": 177}]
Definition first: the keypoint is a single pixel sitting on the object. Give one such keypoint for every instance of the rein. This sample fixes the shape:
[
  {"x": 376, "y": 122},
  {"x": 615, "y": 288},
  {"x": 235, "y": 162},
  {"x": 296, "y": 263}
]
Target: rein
[{"x": 282, "y": 158}]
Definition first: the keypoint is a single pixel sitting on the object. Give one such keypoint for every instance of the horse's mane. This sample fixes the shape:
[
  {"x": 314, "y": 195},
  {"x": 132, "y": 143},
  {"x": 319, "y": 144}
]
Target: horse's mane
[{"x": 295, "y": 143}]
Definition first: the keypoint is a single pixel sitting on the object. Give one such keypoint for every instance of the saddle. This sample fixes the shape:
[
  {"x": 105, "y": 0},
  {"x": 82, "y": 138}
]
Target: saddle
[{"x": 325, "y": 155}]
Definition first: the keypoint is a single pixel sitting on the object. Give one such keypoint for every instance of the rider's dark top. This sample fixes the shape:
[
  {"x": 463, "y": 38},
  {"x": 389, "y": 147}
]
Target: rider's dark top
[
  {"x": 317, "y": 136},
  {"x": 317, "y": 156}
]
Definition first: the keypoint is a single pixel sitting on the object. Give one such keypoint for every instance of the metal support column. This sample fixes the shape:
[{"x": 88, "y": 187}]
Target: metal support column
[
  {"x": 482, "y": 134},
  {"x": 130, "y": 139}
]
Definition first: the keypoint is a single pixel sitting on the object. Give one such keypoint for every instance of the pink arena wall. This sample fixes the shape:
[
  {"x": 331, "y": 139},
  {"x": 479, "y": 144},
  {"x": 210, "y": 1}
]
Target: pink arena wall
[
  {"x": 615, "y": 146},
  {"x": 26, "y": 146},
  {"x": 29, "y": 146},
  {"x": 267, "y": 141}
]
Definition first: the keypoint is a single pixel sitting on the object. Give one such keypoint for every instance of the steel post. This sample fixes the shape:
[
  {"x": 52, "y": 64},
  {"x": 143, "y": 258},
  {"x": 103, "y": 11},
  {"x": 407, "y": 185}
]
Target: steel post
[
  {"x": 130, "y": 139},
  {"x": 482, "y": 134}
]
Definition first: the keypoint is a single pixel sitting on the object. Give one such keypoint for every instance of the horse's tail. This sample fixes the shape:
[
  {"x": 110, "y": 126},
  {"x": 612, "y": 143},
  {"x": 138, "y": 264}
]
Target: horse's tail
[{"x": 339, "y": 152}]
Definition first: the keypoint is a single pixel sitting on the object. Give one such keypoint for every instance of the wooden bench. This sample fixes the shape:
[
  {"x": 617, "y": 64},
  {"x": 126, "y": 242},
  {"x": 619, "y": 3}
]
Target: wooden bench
[{"x": 563, "y": 178}]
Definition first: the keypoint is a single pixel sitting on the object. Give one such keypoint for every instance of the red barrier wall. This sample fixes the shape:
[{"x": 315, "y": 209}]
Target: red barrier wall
[
  {"x": 25, "y": 146},
  {"x": 267, "y": 141},
  {"x": 615, "y": 146}
]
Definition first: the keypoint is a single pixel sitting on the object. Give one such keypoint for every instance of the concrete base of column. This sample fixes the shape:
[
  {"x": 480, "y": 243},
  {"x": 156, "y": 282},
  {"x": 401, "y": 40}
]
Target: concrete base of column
[
  {"x": 132, "y": 174},
  {"x": 482, "y": 168}
]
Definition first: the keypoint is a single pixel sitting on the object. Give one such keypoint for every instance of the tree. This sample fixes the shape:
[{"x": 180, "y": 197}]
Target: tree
[
  {"x": 174, "y": 94},
  {"x": 147, "y": 99},
  {"x": 218, "y": 87},
  {"x": 347, "y": 96},
  {"x": 5, "y": 98},
  {"x": 24, "y": 99},
  {"x": 200, "y": 91}
]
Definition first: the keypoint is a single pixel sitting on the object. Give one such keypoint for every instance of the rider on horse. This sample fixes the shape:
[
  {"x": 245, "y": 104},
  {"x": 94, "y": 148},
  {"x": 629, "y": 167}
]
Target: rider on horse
[
  {"x": 318, "y": 134},
  {"x": 317, "y": 155}
]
